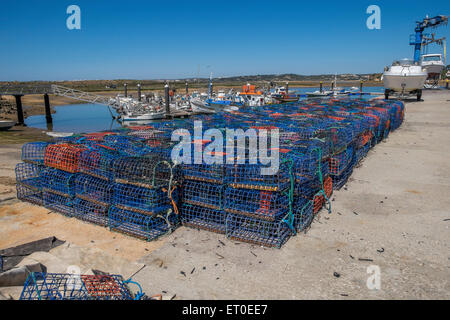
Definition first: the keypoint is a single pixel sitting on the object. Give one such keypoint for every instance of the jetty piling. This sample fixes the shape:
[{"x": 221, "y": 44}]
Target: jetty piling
[
  {"x": 20, "y": 120},
  {"x": 48, "y": 113}
]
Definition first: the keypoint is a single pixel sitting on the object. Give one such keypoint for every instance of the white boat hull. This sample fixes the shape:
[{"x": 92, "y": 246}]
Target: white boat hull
[
  {"x": 6, "y": 124},
  {"x": 433, "y": 69},
  {"x": 406, "y": 82},
  {"x": 143, "y": 117}
]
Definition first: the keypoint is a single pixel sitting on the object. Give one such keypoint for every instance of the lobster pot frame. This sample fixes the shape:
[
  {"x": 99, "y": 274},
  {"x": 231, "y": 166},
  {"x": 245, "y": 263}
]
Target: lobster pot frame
[
  {"x": 303, "y": 214},
  {"x": 212, "y": 173},
  {"x": 259, "y": 204},
  {"x": 339, "y": 162},
  {"x": 306, "y": 188},
  {"x": 340, "y": 180},
  {"x": 132, "y": 146},
  {"x": 361, "y": 153},
  {"x": 339, "y": 138},
  {"x": 91, "y": 211},
  {"x": 364, "y": 139},
  {"x": 58, "y": 181},
  {"x": 29, "y": 174},
  {"x": 149, "y": 171},
  {"x": 34, "y": 152},
  {"x": 57, "y": 286},
  {"x": 98, "y": 163},
  {"x": 203, "y": 218},
  {"x": 319, "y": 200},
  {"x": 257, "y": 231},
  {"x": 98, "y": 136},
  {"x": 64, "y": 157},
  {"x": 249, "y": 176},
  {"x": 140, "y": 225},
  {"x": 29, "y": 194},
  {"x": 58, "y": 202},
  {"x": 203, "y": 194},
  {"x": 150, "y": 200},
  {"x": 94, "y": 189}
]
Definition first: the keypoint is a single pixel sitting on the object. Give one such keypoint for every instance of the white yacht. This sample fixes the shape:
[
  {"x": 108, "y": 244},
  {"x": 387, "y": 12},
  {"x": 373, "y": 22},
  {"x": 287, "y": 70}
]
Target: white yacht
[
  {"x": 404, "y": 76},
  {"x": 433, "y": 64}
]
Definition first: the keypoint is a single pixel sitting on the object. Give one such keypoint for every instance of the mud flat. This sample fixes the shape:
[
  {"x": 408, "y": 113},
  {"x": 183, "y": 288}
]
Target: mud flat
[{"x": 393, "y": 213}]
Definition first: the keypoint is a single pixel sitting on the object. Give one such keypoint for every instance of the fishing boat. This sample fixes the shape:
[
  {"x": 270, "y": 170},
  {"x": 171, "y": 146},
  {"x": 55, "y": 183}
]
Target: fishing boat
[
  {"x": 404, "y": 76},
  {"x": 6, "y": 124},
  {"x": 286, "y": 97},
  {"x": 252, "y": 97},
  {"x": 433, "y": 64}
]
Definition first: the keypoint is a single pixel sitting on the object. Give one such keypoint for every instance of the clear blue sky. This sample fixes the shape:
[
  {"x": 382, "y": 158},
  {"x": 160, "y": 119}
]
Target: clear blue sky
[{"x": 171, "y": 39}]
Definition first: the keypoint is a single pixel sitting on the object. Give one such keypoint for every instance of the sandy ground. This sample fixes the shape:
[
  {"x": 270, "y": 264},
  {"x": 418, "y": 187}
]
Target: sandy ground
[{"x": 393, "y": 213}]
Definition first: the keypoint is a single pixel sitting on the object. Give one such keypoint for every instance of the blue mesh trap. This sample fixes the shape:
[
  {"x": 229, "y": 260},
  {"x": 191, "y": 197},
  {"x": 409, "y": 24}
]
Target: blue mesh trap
[
  {"x": 203, "y": 218},
  {"x": 149, "y": 171},
  {"x": 251, "y": 176},
  {"x": 144, "y": 226},
  {"x": 93, "y": 189},
  {"x": 58, "y": 181},
  {"x": 213, "y": 173},
  {"x": 34, "y": 152},
  {"x": 303, "y": 214},
  {"x": 339, "y": 162},
  {"x": 29, "y": 174},
  {"x": 29, "y": 194},
  {"x": 257, "y": 231},
  {"x": 362, "y": 152},
  {"x": 58, "y": 202},
  {"x": 57, "y": 286},
  {"x": 259, "y": 204},
  {"x": 90, "y": 211},
  {"x": 145, "y": 199},
  {"x": 98, "y": 162},
  {"x": 203, "y": 194}
]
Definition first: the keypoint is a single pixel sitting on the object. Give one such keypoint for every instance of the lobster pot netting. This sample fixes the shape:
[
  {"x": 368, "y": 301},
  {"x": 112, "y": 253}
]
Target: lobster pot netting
[
  {"x": 256, "y": 203},
  {"x": 203, "y": 194},
  {"x": 55, "y": 286},
  {"x": 137, "y": 224},
  {"x": 203, "y": 218}
]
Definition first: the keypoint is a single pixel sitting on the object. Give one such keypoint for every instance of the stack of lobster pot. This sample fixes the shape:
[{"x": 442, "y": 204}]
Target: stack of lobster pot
[
  {"x": 259, "y": 203},
  {"x": 203, "y": 194},
  {"x": 145, "y": 197}
]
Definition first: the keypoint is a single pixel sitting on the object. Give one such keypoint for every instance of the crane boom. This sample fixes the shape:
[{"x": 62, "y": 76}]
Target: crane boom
[{"x": 420, "y": 27}]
